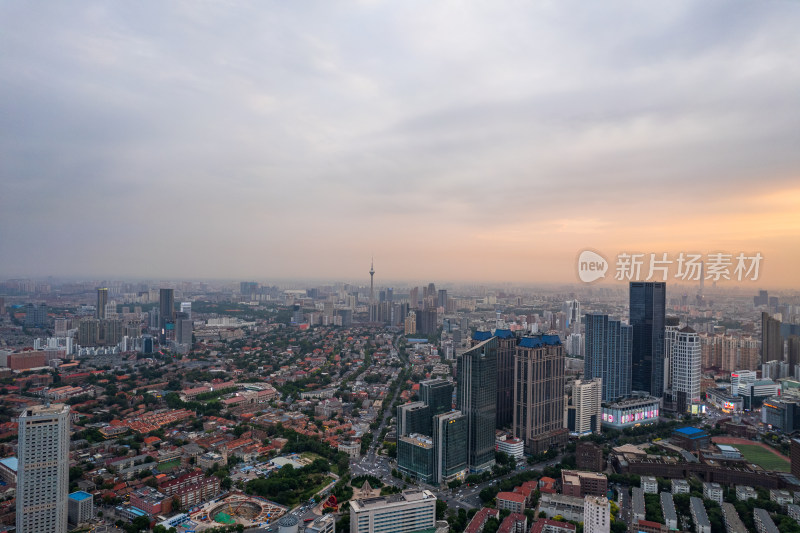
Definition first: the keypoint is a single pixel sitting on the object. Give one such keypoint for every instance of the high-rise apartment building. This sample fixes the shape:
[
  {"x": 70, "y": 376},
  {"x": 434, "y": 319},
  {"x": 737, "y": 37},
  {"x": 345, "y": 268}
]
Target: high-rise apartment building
[
  {"x": 647, "y": 318},
  {"x": 596, "y": 514},
  {"x": 89, "y": 332},
  {"x": 407, "y": 512},
  {"x": 539, "y": 393},
  {"x": 671, "y": 325},
  {"x": 449, "y": 436},
  {"x": 506, "y": 348},
  {"x": 43, "y": 469},
  {"x": 686, "y": 371},
  {"x": 166, "y": 311},
  {"x": 102, "y": 301},
  {"x": 572, "y": 312},
  {"x": 427, "y": 321},
  {"x": 608, "y": 355},
  {"x": 477, "y": 399},
  {"x": 411, "y": 323},
  {"x": 583, "y": 410},
  {"x": 771, "y": 340}
]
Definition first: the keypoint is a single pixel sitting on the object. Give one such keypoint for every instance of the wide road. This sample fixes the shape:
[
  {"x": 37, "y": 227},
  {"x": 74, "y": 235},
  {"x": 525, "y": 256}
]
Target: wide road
[{"x": 469, "y": 497}]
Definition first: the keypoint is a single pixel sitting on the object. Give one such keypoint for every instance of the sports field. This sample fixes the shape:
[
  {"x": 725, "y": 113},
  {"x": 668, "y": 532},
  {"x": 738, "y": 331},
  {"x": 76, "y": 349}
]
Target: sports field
[{"x": 763, "y": 458}]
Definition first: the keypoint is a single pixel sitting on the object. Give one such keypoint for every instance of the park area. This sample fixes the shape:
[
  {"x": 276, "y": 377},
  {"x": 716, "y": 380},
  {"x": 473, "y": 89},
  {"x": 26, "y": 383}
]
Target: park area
[{"x": 763, "y": 457}]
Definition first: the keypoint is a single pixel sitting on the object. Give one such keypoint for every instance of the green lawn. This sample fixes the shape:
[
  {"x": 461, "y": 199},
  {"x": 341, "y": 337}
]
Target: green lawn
[
  {"x": 763, "y": 458},
  {"x": 164, "y": 467}
]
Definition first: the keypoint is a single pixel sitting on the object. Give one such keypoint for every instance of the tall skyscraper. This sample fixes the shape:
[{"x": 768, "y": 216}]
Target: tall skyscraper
[
  {"x": 477, "y": 399},
  {"x": 413, "y": 417},
  {"x": 608, "y": 355},
  {"x": 442, "y": 299},
  {"x": 572, "y": 311},
  {"x": 427, "y": 321},
  {"x": 102, "y": 300},
  {"x": 647, "y": 310},
  {"x": 506, "y": 348},
  {"x": 771, "y": 339},
  {"x": 183, "y": 328},
  {"x": 686, "y": 371},
  {"x": 539, "y": 393},
  {"x": 583, "y": 409},
  {"x": 671, "y": 326},
  {"x": 437, "y": 394},
  {"x": 793, "y": 352},
  {"x": 43, "y": 469},
  {"x": 186, "y": 307},
  {"x": 166, "y": 311},
  {"x": 449, "y": 435}
]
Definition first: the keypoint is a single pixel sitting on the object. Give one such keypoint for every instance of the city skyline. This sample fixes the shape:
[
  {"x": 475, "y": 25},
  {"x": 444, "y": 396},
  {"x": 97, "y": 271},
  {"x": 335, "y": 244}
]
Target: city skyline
[{"x": 280, "y": 141}]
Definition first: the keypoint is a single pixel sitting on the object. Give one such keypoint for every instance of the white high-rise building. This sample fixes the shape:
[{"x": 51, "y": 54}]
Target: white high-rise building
[
  {"x": 572, "y": 310},
  {"x": 43, "y": 469},
  {"x": 583, "y": 410},
  {"x": 686, "y": 361},
  {"x": 186, "y": 307},
  {"x": 411, "y": 510},
  {"x": 575, "y": 345},
  {"x": 596, "y": 514},
  {"x": 670, "y": 334}
]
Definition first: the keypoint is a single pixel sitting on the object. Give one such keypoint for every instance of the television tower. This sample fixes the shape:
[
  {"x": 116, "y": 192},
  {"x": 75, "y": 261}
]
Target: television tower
[{"x": 371, "y": 280}]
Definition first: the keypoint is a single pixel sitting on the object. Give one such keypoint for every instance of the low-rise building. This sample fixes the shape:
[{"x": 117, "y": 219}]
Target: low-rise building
[
  {"x": 699, "y": 516},
  {"x": 514, "y": 523},
  {"x": 781, "y": 497},
  {"x": 649, "y": 484},
  {"x": 691, "y": 438},
  {"x": 411, "y": 510},
  {"x": 513, "y": 501},
  {"x": 323, "y": 524},
  {"x": 574, "y": 483},
  {"x": 479, "y": 520},
  {"x": 668, "y": 511},
  {"x": 545, "y": 525},
  {"x": 793, "y": 511},
  {"x": 745, "y": 492},
  {"x": 680, "y": 486},
  {"x": 352, "y": 449},
  {"x": 763, "y": 521},
  {"x": 512, "y": 446},
  {"x": 712, "y": 491},
  {"x": 569, "y": 507},
  {"x": 637, "y": 501},
  {"x": 733, "y": 523},
  {"x": 148, "y": 500}
]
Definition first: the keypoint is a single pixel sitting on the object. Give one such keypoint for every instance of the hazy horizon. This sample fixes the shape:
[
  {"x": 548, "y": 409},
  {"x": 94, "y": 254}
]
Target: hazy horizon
[{"x": 458, "y": 142}]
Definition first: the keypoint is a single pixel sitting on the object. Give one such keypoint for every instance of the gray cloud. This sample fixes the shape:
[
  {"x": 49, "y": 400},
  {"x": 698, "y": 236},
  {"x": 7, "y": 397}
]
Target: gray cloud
[{"x": 285, "y": 129}]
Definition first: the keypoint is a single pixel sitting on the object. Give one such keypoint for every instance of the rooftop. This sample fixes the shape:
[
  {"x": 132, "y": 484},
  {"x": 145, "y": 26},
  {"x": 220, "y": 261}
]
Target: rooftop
[
  {"x": 10, "y": 462},
  {"x": 690, "y": 431},
  {"x": 79, "y": 496}
]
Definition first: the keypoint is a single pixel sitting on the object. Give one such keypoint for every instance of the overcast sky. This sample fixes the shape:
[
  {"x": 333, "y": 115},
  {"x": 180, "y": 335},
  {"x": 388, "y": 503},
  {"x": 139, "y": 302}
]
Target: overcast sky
[{"x": 453, "y": 140}]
